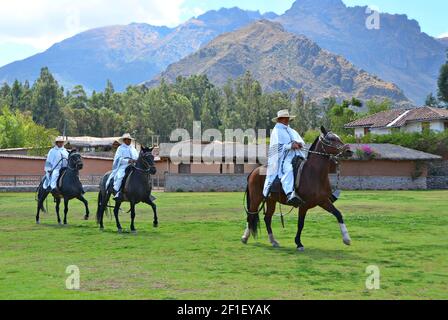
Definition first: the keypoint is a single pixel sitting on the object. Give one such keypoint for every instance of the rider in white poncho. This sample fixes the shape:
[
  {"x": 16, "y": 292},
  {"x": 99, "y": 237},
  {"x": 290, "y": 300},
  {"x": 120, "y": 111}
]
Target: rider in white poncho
[
  {"x": 56, "y": 160},
  {"x": 285, "y": 144},
  {"x": 125, "y": 156}
]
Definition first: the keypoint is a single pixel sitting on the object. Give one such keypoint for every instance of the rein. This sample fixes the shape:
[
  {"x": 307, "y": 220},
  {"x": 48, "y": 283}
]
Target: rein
[{"x": 146, "y": 164}]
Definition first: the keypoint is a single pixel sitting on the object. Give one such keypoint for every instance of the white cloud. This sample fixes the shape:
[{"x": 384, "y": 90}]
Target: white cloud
[
  {"x": 41, "y": 23},
  {"x": 443, "y": 35}
]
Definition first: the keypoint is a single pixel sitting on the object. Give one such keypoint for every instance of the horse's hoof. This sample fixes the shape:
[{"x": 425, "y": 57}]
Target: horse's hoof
[
  {"x": 301, "y": 249},
  {"x": 86, "y": 218},
  {"x": 134, "y": 232},
  {"x": 120, "y": 231},
  {"x": 276, "y": 244},
  {"x": 155, "y": 225},
  {"x": 37, "y": 222},
  {"x": 347, "y": 242},
  {"x": 244, "y": 240}
]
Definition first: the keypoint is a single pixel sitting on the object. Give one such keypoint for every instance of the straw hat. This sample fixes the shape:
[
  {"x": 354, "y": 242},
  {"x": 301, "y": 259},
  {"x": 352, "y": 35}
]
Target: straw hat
[
  {"x": 59, "y": 139},
  {"x": 124, "y": 137},
  {"x": 283, "y": 114}
]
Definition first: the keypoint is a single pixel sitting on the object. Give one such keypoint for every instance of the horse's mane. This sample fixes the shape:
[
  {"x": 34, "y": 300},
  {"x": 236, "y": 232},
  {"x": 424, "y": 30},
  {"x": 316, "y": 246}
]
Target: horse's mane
[{"x": 313, "y": 146}]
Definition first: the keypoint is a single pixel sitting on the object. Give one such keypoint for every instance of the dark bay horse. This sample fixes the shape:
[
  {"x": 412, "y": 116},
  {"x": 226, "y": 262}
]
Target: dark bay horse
[
  {"x": 71, "y": 188},
  {"x": 137, "y": 188},
  {"x": 315, "y": 189}
]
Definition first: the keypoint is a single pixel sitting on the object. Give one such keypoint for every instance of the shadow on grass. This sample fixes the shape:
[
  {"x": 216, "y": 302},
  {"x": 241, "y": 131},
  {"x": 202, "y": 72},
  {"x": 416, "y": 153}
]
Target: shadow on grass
[{"x": 311, "y": 252}]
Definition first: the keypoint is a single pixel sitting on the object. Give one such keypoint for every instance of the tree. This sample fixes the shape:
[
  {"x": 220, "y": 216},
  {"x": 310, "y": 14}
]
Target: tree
[
  {"x": 374, "y": 107},
  {"x": 443, "y": 82},
  {"x": 17, "y": 130},
  {"x": 431, "y": 101},
  {"x": 46, "y": 101},
  {"x": 341, "y": 114},
  {"x": 77, "y": 98}
]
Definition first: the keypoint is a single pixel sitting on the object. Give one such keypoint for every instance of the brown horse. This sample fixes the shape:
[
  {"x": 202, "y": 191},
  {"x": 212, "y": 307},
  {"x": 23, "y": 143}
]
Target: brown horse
[{"x": 314, "y": 188}]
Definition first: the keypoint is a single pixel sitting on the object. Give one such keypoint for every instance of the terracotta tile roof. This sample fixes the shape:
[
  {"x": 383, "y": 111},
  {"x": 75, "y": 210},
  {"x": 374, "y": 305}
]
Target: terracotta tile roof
[
  {"x": 399, "y": 117},
  {"x": 423, "y": 114},
  {"x": 378, "y": 120}
]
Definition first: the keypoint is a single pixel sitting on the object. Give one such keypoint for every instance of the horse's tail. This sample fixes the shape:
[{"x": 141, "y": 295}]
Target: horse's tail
[
  {"x": 253, "y": 218},
  {"x": 101, "y": 201},
  {"x": 41, "y": 196}
]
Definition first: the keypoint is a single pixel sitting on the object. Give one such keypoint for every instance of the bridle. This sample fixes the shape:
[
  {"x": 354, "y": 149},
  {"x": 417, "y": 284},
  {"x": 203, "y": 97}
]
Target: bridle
[
  {"x": 79, "y": 161},
  {"x": 146, "y": 164},
  {"x": 323, "y": 139}
]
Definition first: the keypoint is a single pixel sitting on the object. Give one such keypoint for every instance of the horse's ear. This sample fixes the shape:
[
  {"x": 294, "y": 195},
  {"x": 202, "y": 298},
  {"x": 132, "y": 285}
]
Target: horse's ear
[{"x": 324, "y": 131}]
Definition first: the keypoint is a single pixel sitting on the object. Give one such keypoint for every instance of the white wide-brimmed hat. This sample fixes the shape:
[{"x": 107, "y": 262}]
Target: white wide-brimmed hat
[
  {"x": 125, "y": 136},
  {"x": 283, "y": 114},
  {"x": 60, "y": 139}
]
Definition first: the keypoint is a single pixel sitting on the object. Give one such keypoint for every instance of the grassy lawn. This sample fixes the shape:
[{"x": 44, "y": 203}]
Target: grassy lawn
[{"x": 196, "y": 252}]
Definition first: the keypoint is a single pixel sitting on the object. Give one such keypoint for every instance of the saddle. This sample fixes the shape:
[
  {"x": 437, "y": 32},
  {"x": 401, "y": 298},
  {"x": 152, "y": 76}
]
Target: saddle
[
  {"x": 298, "y": 164},
  {"x": 61, "y": 177},
  {"x": 124, "y": 185}
]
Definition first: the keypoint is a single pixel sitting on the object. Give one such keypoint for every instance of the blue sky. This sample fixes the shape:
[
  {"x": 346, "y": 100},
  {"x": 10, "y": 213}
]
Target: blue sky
[{"x": 42, "y": 23}]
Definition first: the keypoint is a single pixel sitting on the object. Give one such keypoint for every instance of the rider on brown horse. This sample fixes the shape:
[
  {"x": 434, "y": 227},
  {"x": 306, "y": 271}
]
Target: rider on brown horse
[{"x": 312, "y": 186}]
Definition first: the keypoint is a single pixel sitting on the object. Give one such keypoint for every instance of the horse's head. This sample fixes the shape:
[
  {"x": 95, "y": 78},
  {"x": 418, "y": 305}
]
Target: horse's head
[
  {"x": 75, "y": 160},
  {"x": 333, "y": 144},
  {"x": 148, "y": 160}
]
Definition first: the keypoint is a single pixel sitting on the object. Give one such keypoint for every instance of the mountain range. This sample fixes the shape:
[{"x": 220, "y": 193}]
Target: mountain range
[
  {"x": 397, "y": 52},
  {"x": 444, "y": 41},
  {"x": 281, "y": 61}
]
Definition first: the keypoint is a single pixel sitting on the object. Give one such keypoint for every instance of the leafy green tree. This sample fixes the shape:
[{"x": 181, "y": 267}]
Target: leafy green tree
[
  {"x": 374, "y": 107},
  {"x": 443, "y": 82},
  {"x": 46, "y": 101},
  {"x": 77, "y": 98},
  {"x": 341, "y": 114},
  {"x": 431, "y": 101},
  {"x": 17, "y": 130}
]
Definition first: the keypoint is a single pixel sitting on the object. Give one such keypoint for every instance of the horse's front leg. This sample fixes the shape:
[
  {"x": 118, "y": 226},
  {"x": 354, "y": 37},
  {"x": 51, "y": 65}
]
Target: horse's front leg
[
  {"x": 133, "y": 230},
  {"x": 65, "y": 210},
  {"x": 328, "y": 206},
  {"x": 302, "y": 216},
  {"x": 116, "y": 212},
  {"x": 86, "y": 204},
  {"x": 154, "y": 209},
  {"x": 58, "y": 206}
]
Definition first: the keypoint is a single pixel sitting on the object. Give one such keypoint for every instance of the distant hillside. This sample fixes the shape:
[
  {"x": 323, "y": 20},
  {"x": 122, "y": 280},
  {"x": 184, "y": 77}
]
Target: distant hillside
[
  {"x": 281, "y": 61},
  {"x": 444, "y": 41},
  {"x": 398, "y": 52},
  {"x": 126, "y": 54}
]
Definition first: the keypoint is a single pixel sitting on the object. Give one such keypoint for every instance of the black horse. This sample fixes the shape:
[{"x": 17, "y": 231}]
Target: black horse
[
  {"x": 136, "y": 188},
  {"x": 71, "y": 188}
]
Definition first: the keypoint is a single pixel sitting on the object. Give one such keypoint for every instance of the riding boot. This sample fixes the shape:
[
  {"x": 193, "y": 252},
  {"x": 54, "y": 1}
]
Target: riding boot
[
  {"x": 119, "y": 196},
  {"x": 294, "y": 200}
]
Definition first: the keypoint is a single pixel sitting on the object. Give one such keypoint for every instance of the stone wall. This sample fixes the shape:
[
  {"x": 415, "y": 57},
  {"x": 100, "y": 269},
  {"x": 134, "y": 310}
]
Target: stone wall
[
  {"x": 205, "y": 183},
  {"x": 438, "y": 175},
  {"x": 231, "y": 183},
  {"x": 381, "y": 183}
]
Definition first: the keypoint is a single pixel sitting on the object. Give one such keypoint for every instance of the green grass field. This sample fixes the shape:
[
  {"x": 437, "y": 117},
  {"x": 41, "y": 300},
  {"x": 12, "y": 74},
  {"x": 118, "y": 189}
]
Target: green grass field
[{"x": 196, "y": 252}]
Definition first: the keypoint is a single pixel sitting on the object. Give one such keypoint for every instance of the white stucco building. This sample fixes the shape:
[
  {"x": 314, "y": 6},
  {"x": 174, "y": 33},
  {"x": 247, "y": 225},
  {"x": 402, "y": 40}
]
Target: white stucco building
[{"x": 412, "y": 120}]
